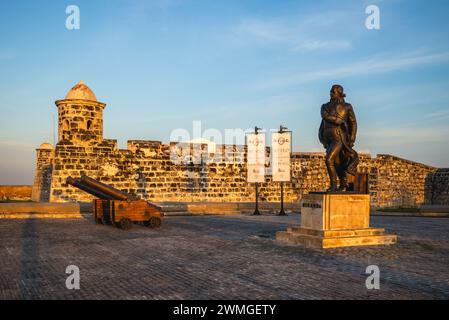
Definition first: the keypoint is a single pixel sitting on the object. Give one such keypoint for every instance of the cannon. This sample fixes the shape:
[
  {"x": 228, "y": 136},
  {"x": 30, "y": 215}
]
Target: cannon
[{"x": 118, "y": 208}]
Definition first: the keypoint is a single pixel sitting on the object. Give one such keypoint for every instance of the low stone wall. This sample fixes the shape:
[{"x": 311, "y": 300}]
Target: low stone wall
[
  {"x": 15, "y": 193},
  {"x": 33, "y": 210}
]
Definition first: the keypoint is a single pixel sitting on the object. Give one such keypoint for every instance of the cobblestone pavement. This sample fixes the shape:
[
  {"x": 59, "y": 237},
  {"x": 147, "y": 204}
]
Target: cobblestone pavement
[{"x": 217, "y": 257}]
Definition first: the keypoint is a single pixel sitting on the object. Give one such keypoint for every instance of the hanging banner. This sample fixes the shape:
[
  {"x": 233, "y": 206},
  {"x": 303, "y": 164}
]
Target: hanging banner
[
  {"x": 281, "y": 146},
  {"x": 256, "y": 157}
]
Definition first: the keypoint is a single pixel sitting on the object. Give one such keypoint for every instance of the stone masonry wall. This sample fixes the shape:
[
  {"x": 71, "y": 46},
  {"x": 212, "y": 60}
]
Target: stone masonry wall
[
  {"x": 401, "y": 183},
  {"x": 309, "y": 173},
  {"x": 145, "y": 168},
  {"x": 437, "y": 187}
]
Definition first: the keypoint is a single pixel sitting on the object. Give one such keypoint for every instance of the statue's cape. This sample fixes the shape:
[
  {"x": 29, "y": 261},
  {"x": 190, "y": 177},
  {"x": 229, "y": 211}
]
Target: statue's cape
[
  {"x": 350, "y": 154},
  {"x": 320, "y": 132}
]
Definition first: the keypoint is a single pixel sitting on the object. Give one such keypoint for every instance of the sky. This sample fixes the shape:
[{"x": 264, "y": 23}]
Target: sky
[{"x": 160, "y": 65}]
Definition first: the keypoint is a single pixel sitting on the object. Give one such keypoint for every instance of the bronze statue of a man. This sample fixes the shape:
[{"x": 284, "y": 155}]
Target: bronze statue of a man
[{"x": 337, "y": 133}]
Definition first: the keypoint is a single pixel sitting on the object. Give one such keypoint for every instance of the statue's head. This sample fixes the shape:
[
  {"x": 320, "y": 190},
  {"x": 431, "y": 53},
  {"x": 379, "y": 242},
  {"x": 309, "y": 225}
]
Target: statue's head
[{"x": 337, "y": 92}]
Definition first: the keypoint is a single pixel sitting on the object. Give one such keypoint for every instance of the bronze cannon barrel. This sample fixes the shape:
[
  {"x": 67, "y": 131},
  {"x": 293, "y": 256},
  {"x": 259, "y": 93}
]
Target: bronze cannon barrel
[
  {"x": 93, "y": 191},
  {"x": 104, "y": 188}
]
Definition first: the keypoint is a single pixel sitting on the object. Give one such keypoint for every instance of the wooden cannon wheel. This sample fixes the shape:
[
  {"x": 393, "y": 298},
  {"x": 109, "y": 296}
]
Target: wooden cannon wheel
[
  {"x": 153, "y": 222},
  {"x": 125, "y": 223}
]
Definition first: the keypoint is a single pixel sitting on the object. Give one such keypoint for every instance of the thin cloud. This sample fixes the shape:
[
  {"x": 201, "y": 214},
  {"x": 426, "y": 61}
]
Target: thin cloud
[
  {"x": 322, "y": 45},
  {"x": 440, "y": 114},
  {"x": 266, "y": 31},
  {"x": 299, "y": 34},
  {"x": 370, "y": 66}
]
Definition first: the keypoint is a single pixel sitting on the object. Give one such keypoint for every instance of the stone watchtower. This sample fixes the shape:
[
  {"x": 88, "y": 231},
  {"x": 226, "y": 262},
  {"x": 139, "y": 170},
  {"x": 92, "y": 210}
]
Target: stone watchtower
[
  {"x": 42, "y": 177},
  {"x": 80, "y": 123},
  {"x": 80, "y": 117}
]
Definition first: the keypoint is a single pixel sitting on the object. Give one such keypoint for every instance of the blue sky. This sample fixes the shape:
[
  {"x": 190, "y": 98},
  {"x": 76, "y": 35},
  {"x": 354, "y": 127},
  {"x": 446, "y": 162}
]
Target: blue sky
[{"x": 159, "y": 65}]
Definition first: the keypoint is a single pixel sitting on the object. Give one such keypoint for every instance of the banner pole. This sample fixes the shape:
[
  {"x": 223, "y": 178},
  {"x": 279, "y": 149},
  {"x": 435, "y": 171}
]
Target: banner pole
[
  {"x": 256, "y": 211},
  {"x": 282, "y": 212}
]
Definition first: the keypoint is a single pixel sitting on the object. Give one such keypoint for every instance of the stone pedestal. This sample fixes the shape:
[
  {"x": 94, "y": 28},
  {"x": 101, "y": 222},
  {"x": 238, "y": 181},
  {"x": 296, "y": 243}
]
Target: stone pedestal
[{"x": 331, "y": 220}]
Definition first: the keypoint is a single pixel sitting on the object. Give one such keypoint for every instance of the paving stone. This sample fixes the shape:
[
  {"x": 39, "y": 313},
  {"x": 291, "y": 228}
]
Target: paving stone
[{"x": 217, "y": 257}]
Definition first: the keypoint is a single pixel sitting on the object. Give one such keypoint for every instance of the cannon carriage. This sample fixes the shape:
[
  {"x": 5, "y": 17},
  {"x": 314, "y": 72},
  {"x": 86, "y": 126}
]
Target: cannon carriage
[{"x": 117, "y": 208}]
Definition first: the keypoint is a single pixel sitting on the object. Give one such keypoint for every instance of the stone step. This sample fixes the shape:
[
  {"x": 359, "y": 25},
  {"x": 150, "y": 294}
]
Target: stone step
[
  {"x": 311, "y": 241},
  {"x": 359, "y": 241},
  {"x": 301, "y": 239},
  {"x": 337, "y": 233}
]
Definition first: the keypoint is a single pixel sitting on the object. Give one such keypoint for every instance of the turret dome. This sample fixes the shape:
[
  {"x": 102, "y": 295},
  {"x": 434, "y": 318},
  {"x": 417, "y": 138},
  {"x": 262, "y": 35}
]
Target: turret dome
[
  {"x": 46, "y": 146},
  {"x": 81, "y": 92}
]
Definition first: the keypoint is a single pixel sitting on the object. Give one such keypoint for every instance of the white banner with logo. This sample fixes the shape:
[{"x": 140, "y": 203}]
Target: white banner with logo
[
  {"x": 281, "y": 144},
  {"x": 256, "y": 157}
]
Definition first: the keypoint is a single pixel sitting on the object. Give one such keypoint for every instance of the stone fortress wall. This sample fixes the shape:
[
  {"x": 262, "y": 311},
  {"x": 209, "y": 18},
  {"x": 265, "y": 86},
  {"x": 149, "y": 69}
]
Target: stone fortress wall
[{"x": 146, "y": 169}]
